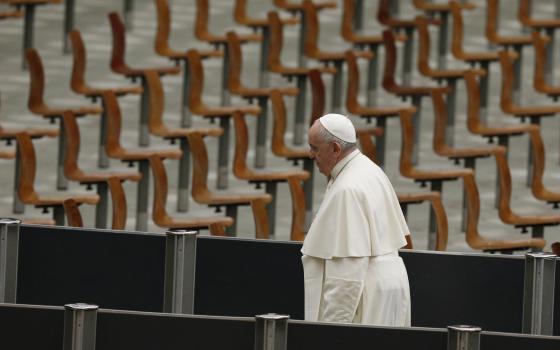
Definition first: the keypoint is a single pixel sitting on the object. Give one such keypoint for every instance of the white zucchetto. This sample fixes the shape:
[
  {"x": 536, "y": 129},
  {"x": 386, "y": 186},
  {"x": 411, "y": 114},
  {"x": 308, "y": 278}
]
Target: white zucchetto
[{"x": 339, "y": 126}]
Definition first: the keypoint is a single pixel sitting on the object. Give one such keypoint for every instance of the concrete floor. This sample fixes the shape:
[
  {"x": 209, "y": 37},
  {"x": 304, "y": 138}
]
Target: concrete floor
[{"x": 92, "y": 21}]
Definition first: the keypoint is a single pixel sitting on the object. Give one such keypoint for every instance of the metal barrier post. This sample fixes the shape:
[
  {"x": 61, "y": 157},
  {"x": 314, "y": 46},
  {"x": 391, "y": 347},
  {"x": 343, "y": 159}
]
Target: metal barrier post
[
  {"x": 463, "y": 337},
  {"x": 180, "y": 267},
  {"x": 80, "y": 322},
  {"x": 271, "y": 332},
  {"x": 9, "y": 242},
  {"x": 538, "y": 296}
]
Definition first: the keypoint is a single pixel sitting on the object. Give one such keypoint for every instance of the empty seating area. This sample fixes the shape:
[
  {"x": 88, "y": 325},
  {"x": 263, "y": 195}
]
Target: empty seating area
[{"x": 211, "y": 114}]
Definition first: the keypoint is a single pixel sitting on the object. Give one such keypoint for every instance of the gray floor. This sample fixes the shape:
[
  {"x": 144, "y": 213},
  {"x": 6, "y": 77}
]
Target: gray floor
[{"x": 92, "y": 21}]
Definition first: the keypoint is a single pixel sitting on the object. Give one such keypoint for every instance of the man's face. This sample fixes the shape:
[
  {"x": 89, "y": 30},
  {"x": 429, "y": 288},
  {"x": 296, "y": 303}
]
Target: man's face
[{"x": 324, "y": 153}]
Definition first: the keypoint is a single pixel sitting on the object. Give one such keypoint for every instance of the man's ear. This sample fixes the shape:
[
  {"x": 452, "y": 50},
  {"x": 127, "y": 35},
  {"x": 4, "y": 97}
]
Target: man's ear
[{"x": 337, "y": 148}]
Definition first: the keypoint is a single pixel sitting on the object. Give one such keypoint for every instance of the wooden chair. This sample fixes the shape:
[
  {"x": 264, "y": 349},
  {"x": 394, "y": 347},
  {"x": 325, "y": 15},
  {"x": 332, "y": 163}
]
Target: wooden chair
[
  {"x": 158, "y": 127},
  {"x": 537, "y": 223},
  {"x": 79, "y": 85},
  {"x": 481, "y": 58},
  {"x": 162, "y": 48},
  {"x": 442, "y": 10},
  {"x": 473, "y": 237},
  {"x": 115, "y": 150},
  {"x": 548, "y": 25},
  {"x": 119, "y": 66},
  {"x": 368, "y": 148},
  {"x": 26, "y": 190},
  {"x": 317, "y": 95},
  {"x": 73, "y": 172},
  {"x": 337, "y": 58},
  {"x": 414, "y": 93},
  {"x": 275, "y": 65},
  {"x": 37, "y": 105},
  {"x": 162, "y": 218},
  {"x": 118, "y": 199},
  {"x": 509, "y": 106},
  {"x": 555, "y": 248},
  {"x": 201, "y": 194},
  {"x": 261, "y": 94},
  {"x": 223, "y": 113},
  {"x": 299, "y": 204},
  {"x": 269, "y": 178},
  {"x": 379, "y": 113},
  {"x": 541, "y": 42},
  {"x": 538, "y": 188}
]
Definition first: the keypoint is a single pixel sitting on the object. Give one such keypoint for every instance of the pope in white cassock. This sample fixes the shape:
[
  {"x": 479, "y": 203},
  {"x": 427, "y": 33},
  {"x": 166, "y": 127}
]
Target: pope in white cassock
[{"x": 352, "y": 269}]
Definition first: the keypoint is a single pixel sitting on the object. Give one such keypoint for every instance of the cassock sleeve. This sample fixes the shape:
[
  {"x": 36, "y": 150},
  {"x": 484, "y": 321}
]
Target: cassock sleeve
[{"x": 343, "y": 287}]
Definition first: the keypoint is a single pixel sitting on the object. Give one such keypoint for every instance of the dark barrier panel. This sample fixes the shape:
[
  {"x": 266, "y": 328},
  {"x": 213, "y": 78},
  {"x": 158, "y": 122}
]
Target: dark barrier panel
[
  {"x": 556, "y": 329},
  {"x": 302, "y": 335},
  {"x": 492, "y": 341},
  {"x": 59, "y": 265},
  {"x": 483, "y": 290},
  {"x": 31, "y": 327},
  {"x": 238, "y": 277},
  {"x": 140, "y": 331}
]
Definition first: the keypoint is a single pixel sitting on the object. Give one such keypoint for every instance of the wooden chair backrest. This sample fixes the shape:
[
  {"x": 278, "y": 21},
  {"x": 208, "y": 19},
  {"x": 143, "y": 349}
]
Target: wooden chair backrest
[
  {"x": 240, "y": 12},
  {"x": 72, "y": 149},
  {"x": 199, "y": 155},
  {"x": 77, "y": 79},
  {"x": 201, "y": 21},
  {"x": 159, "y": 213},
  {"x": 157, "y": 102},
  {"x": 241, "y": 145},
  {"x": 114, "y": 120},
  {"x": 523, "y": 13},
  {"x": 407, "y": 141},
  {"x": 492, "y": 15},
  {"x": 353, "y": 87},
  {"x": 458, "y": 30},
  {"x": 297, "y": 232},
  {"x": 384, "y": 15},
  {"x": 473, "y": 209},
  {"x": 367, "y": 146},
  {"x": 506, "y": 95},
  {"x": 347, "y": 25},
  {"x": 260, "y": 217},
  {"x": 389, "y": 83},
  {"x": 504, "y": 177},
  {"x": 35, "y": 101},
  {"x": 161, "y": 42},
  {"x": 440, "y": 113},
  {"x": 473, "y": 100},
  {"x": 311, "y": 46},
  {"x": 28, "y": 168},
  {"x": 73, "y": 215},
  {"x": 317, "y": 95},
  {"x": 196, "y": 81},
  {"x": 276, "y": 41},
  {"x": 279, "y": 122},
  {"x": 539, "y": 162},
  {"x": 118, "y": 64},
  {"x": 422, "y": 25},
  {"x": 540, "y": 43},
  {"x": 555, "y": 248},
  {"x": 119, "y": 207},
  {"x": 235, "y": 61}
]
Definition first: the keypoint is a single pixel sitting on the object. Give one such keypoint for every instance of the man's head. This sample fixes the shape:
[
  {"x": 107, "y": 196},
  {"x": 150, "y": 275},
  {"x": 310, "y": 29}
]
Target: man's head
[{"x": 331, "y": 138}]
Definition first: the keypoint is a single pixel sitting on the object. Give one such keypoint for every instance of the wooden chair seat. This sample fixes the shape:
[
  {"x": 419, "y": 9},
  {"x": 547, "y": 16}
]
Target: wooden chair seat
[
  {"x": 540, "y": 84},
  {"x": 26, "y": 187},
  {"x": 240, "y": 168},
  {"x": 457, "y": 40},
  {"x": 492, "y": 32},
  {"x": 475, "y": 240},
  {"x": 78, "y": 82},
  {"x": 34, "y": 133},
  {"x": 437, "y": 7},
  {"x": 275, "y": 64},
  {"x": 441, "y": 147},
  {"x": 11, "y": 14},
  {"x": 38, "y": 221},
  {"x": 36, "y": 103},
  {"x": 506, "y": 213},
  {"x": 389, "y": 82},
  {"x": 161, "y": 43},
  {"x": 298, "y": 6},
  {"x": 202, "y": 33},
  {"x": 475, "y": 125},
  {"x": 241, "y": 17},
  {"x": 279, "y": 147},
  {"x": 118, "y": 63},
  {"x": 506, "y": 97},
  {"x": 524, "y": 16},
  {"x": 159, "y": 213}
]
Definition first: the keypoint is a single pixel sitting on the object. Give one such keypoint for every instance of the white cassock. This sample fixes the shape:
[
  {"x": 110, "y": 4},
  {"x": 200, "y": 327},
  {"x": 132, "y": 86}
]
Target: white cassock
[{"x": 352, "y": 269}]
